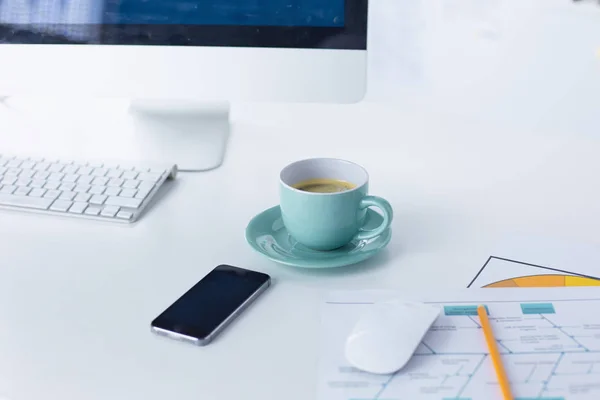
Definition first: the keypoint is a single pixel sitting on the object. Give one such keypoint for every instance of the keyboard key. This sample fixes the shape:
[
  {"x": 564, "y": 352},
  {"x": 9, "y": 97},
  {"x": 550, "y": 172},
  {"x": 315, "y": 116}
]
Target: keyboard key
[
  {"x": 146, "y": 185},
  {"x": 66, "y": 186},
  {"x": 142, "y": 193},
  {"x": 100, "y": 181},
  {"x": 70, "y": 169},
  {"x": 67, "y": 195},
  {"x": 56, "y": 176},
  {"x": 41, "y": 166},
  {"x": 9, "y": 179},
  {"x": 124, "y": 215},
  {"x": 129, "y": 175},
  {"x": 14, "y": 171},
  {"x": 114, "y": 173},
  {"x": 95, "y": 189},
  {"x": 98, "y": 199},
  {"x": 84, "y": 170},
  {"x": 99, "y": 172},
  {"x": 78, "y": 207},
  {"x": 128, "y": 192},
  {"x": 115, "y": 182},
  {"x": 53, "y": 185},
  {"x": 70, "y": 178},
  {"x": 123, "y": 202},
  {"x": 8, "y": 189},
  {"x": 110, "y": 211},
  {"x": 22, "y": 191},
  {"x": 61, "y": 205},
  {"x": 85, "y": 179},
  {"x": 92, "y": 210},
  {"x": 112, "y": 191},
  {"x": 131, "y": 184},
  {"x": 25, "y": 201},
  {"x": 37, "y": 192},
  {"x": 3, "y": 170},
  {"x": 4, "y": 161},
  {"x": 52, "y": 194},
  {"x": 37, "y": 183},
  {"x": 81, "y": 188},
  {"x": 14, "y": 163},
  {"x": 27, "y": 173},
  {"x": 41, "y": 175},
  {"x": 23, "y": 182},
  {"x": 83, "y": 197},
  {"x": 56, "y": 167},
  {"x": 27, "y": 164}
]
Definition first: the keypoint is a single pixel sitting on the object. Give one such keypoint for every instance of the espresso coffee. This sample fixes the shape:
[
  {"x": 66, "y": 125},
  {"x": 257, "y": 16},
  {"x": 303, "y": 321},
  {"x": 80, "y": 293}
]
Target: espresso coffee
[{"x": 324, "y": 186}]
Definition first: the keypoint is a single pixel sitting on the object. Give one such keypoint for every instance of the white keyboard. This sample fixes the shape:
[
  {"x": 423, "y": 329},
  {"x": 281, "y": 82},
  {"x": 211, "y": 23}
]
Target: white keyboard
[{"x": 112, "y": 192}]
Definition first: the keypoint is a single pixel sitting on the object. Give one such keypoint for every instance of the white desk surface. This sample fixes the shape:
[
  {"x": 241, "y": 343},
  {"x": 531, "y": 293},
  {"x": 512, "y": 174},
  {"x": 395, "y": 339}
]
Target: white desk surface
[{"x": 77, "y": 297}]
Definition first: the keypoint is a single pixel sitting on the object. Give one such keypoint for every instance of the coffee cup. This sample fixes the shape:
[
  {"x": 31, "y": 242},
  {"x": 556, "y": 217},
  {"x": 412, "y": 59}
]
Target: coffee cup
[{"x": 324, "y": 203}]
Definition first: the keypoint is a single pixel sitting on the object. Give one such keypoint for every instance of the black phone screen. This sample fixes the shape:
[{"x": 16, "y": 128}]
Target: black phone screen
[{"x": 211, "y": 301}]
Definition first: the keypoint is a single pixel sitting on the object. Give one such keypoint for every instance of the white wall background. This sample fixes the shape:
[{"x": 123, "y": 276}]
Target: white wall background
[{"x": 533, "y": 61}]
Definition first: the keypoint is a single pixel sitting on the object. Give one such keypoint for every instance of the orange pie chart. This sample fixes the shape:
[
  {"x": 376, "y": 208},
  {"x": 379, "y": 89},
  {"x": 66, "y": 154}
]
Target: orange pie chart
[{"x": 545, "y": 281}]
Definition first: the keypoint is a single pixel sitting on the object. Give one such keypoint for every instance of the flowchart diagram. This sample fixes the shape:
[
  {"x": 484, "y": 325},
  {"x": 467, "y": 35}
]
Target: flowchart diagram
[{"x": 551, "y": 350}]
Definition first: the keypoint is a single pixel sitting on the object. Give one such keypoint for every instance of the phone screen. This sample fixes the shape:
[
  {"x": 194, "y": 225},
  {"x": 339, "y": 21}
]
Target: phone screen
[{"x": 211, "y": 301}]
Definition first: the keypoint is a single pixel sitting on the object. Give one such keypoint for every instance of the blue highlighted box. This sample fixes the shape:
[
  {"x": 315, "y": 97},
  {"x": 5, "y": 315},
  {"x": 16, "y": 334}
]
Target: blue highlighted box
[
  {"x": 537, "y": 308},
  {"x": 462, "y": 310}
]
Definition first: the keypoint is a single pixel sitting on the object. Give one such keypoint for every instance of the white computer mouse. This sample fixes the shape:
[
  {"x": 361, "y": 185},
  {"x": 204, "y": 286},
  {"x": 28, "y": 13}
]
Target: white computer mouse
[{"x": 387, "y": 335}]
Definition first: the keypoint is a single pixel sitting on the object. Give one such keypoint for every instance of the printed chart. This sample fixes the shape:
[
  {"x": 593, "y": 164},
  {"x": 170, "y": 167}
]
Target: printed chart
[
  {"x": 549, "y": 343},
  {"x": 500, "y": 272}
]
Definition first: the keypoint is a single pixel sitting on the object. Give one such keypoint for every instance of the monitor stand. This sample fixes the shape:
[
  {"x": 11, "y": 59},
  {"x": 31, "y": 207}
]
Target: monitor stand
[{"x": 192, "y": 135}]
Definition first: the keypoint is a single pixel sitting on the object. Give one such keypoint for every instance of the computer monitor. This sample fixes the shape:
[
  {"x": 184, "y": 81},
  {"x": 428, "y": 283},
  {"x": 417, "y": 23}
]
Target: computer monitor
[{"x": 173, "y": 57}]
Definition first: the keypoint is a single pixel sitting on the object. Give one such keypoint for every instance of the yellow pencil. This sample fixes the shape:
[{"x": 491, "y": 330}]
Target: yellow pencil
[{"x": 494, "y": 353}]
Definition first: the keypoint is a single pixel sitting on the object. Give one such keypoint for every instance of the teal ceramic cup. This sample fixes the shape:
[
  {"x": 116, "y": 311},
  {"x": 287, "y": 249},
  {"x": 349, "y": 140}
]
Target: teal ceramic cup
[{"x": 327, "y": 221}]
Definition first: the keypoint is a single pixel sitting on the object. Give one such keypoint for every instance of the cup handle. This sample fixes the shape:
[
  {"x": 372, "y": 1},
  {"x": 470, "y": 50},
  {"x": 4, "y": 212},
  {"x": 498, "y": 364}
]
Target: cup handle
[{"x": 388, "y": 215}]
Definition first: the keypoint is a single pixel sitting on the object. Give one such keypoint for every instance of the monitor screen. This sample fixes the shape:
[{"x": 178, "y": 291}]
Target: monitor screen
[
  {"x": 225, "y": 12},
  {"x": 249, "y": 23}
]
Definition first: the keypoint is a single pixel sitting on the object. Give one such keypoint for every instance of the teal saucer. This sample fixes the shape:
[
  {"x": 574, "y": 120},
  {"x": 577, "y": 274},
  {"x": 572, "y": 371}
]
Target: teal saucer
[{"x": 268, "y": 236}]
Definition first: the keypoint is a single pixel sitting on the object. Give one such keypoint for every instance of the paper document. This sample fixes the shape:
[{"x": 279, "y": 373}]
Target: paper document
[
  {"x": 539, "y": 262},
  {"x": 549, "y": 339},
  {"x": 504, "y": 272}
]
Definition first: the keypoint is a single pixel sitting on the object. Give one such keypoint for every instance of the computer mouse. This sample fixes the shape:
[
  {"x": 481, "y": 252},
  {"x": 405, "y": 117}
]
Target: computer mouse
[{"x": 386, "y": 336}]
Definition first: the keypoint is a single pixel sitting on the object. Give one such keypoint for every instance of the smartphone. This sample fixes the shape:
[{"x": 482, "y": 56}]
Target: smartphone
[{"x": 207, "y": 308}]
